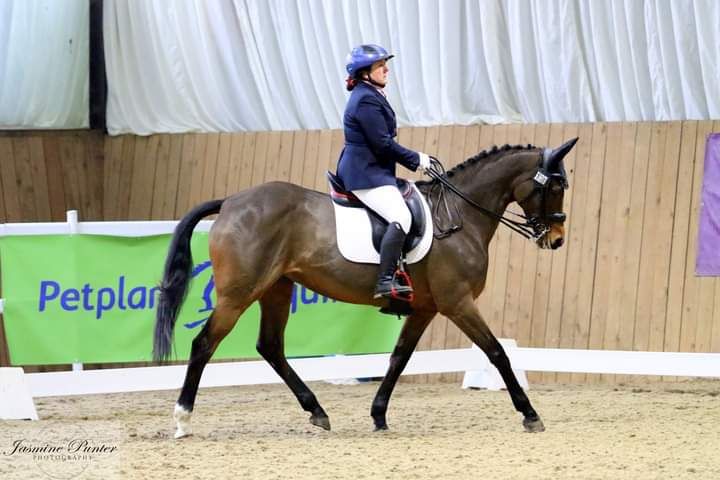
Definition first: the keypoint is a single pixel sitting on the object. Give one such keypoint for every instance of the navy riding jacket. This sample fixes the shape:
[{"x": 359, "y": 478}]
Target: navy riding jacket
[{"x": 371, "y": 153}]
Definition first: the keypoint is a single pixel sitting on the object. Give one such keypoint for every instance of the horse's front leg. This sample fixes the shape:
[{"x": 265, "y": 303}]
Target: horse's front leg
[
  {"x": 466, "y": 316},
  {"x": 411, "y": 332}
]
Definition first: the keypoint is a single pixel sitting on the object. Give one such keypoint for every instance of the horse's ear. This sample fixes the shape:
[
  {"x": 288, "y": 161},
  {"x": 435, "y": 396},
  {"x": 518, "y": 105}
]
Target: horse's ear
[{"x": 554, "y": 157}]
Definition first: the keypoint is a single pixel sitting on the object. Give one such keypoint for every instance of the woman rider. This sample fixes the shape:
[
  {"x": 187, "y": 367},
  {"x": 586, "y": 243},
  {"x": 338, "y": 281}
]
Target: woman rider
[{"x": 367, "y": 163}]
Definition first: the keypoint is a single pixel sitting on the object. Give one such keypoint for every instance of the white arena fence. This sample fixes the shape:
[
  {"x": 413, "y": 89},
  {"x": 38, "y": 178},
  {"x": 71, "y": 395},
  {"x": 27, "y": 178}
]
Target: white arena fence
[{"x": 478, "y": 371}]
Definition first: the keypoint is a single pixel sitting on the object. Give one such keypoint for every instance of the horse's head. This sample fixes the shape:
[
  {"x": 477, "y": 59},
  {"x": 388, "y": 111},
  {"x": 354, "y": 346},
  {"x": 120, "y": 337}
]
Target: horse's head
[{"x": 541, "y": 193}]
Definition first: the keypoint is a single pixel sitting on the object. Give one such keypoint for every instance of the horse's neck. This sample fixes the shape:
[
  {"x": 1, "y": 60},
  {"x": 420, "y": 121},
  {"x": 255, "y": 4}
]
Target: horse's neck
[{"x": 490, "y": 187}]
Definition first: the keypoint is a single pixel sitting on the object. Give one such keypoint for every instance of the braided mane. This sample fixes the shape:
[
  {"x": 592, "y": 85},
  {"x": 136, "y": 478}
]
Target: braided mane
[{"x": 480, "y": 157}]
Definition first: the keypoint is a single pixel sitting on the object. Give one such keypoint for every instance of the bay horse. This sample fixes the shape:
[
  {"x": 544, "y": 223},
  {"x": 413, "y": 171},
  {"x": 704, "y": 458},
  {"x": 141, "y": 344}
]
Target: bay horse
[{"x": 269, "y": 236}]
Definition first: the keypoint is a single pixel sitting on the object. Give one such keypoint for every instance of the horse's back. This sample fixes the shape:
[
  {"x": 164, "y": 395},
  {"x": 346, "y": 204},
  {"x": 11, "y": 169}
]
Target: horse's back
[
  {"x": 264, "y": 209},
  {"x": 270, "y": 197}
]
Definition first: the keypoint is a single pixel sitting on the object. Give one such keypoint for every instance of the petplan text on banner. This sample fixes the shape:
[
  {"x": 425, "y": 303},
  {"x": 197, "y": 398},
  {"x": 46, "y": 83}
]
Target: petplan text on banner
[{"x": 92, "y": 299}]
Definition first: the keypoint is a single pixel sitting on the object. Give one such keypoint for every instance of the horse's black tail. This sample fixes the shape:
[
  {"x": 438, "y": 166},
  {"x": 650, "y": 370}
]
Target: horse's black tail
[{"x": 176, "y": 278}]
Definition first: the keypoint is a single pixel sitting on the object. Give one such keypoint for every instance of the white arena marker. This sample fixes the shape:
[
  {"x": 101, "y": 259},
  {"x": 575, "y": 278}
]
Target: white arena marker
[
  {"x": 15, "y": 400},
  {"x": 487, "y": 376}
]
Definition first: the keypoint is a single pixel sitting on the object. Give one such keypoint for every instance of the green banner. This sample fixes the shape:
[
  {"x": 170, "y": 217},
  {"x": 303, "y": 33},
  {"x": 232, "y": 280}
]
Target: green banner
[{"x": 91, "y": 299}]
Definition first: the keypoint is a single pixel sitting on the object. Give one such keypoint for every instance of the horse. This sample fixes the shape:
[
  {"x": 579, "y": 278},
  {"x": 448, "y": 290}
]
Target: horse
[{"x": 267, "y": 237}]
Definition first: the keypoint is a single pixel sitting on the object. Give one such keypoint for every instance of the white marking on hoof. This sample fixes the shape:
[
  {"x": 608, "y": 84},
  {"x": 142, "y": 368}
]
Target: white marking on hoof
[{"x": 182, "y": 418}]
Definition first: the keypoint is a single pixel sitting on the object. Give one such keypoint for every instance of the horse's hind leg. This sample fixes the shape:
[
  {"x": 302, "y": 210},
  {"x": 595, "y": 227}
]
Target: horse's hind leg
[
  {"x": 221, "y": 321},
  {"x": 275, "y": 308}
]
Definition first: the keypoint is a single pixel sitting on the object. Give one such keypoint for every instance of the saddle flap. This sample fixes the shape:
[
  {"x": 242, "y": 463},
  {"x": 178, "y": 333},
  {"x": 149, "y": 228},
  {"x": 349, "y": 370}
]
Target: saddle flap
[
  {"x": 411, "y": 195},
  {"x": 362, "y": 244}
]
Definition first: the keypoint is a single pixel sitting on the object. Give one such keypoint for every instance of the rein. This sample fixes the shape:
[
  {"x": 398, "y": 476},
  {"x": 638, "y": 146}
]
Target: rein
[{"x": 528, "y": 229}]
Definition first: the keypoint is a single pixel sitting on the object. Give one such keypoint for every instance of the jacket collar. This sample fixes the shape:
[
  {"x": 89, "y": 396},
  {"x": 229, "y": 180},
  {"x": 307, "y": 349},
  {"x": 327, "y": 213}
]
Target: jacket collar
[{"x": 375, "y": 92}]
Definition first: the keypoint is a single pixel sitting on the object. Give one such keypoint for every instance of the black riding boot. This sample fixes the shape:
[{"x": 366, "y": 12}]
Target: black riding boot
[{"x": 390, "y": 251}]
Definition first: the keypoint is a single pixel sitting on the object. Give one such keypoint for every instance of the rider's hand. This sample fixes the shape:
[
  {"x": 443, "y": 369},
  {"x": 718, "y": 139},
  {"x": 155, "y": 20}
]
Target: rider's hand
[{"x": 424, "y": 161}]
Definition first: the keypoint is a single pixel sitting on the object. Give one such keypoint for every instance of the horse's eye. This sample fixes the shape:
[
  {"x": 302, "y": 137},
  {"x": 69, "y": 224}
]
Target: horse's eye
[{"x": 556, "y": 189}]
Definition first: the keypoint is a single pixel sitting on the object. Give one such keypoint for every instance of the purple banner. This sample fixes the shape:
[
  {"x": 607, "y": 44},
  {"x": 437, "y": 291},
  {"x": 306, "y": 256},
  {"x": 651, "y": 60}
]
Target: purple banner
[{"x": 708, "y": 257}]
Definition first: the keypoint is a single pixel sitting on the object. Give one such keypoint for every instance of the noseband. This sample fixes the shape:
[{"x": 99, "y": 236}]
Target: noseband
[{"x": 533, "y": 227}]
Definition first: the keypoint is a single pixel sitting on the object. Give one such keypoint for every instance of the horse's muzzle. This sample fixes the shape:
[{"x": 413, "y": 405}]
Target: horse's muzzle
[{"x": 555, "y": 238}]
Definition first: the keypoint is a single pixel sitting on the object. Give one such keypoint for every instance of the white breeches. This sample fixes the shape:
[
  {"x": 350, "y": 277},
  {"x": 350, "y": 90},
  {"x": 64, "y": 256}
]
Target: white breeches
[{"x": 387, "y": 201}]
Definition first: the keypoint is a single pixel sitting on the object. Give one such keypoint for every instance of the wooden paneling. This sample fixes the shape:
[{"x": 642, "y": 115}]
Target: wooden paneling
[
  {"x": 44, "y": 174},
  {"x": 624, "y": 280},
  {"x": 13, "y": 212},
  {"x": 165, "y": 177},
  {"x": 607, "y": 329}
]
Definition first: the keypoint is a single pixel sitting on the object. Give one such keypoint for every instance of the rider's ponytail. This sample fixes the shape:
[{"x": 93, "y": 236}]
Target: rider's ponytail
[
  {"x": 350, "y": 83},
  {"x": 352, "y": 80}
]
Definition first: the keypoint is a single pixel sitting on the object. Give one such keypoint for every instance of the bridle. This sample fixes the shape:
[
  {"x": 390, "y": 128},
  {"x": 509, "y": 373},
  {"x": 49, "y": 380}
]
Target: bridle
[
  {"x": 542, "y": 181},
  {"x": 535, "y": 226}
]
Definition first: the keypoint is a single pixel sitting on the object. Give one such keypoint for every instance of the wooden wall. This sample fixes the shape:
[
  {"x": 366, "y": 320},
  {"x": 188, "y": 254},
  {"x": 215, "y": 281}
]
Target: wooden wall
[
  {"x": 624, "y": 280},
  {"x": 44, "y": 174},
  {"x": 162, "y": 176}
]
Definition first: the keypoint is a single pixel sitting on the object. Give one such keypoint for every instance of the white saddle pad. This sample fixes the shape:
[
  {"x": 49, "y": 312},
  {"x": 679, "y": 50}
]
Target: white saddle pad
[{"x": 354, "y": 235}]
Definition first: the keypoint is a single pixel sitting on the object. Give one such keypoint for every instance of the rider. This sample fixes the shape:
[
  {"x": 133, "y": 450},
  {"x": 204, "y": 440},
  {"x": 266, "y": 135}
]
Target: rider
[{"x": 367, "y": 163}]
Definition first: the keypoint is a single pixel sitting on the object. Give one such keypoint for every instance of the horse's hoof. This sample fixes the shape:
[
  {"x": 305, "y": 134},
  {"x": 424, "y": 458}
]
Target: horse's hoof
[
  {"x": 381, "y": 428},
  {"x": 533, "y": 425},
  {"x": 180, "y": 433},
  {"x": 320, "y": 421}
]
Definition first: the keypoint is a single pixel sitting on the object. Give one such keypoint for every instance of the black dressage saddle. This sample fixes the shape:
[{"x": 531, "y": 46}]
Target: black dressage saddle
[{"x": 412, "y": 198}]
